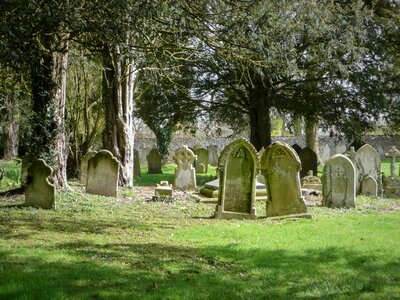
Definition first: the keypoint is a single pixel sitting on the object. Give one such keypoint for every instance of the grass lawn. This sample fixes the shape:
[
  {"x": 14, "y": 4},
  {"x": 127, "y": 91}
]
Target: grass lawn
[{"x": 94, "y": 247}]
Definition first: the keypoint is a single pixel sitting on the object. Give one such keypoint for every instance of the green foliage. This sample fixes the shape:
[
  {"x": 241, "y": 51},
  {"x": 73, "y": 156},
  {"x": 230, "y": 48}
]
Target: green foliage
[
  {"x": 98, "y": 247},
  {"x": 11, "y": 174}
]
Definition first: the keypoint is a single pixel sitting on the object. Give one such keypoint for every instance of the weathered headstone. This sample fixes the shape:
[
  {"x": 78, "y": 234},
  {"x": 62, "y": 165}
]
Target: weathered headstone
[
  {"x": 309, "y": 161},
  {"x": 102, "y": 175},
  {"x": 297, "y": 148},
  {"x": 154, "y": 162},
  {"x": 84, "y": 166},
  {"x": 237, "y": 165},
  {"x": 185, "y": 175},
  {"x": 201, "y": 162},
  {"x": 369, "y": 187},
  {"x": 136, "y": 164},
  {"x": 163, "y": 191},
  {"x": 393, "y": 153},
  {"x": 368, "y": 163},
  {"x": 338, "y": 182},
  {"x": 280, "y": 166},
  {"x": 212, "y": 155},
  {"x": 39, "y": 191}
]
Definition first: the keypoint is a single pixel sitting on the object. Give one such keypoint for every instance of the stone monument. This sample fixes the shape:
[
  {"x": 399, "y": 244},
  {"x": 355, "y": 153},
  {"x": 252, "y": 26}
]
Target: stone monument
[
  {"x": 154, "y": 162},
  {"x": 84, "y": 166},
  {"x": 185, "y": 175}
]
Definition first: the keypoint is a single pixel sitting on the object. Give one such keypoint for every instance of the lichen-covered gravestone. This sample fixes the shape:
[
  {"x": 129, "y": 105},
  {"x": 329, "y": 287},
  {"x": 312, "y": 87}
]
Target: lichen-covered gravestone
[
  {"x": 185, "y": 175},
  {"x": 280, "y": 165},
  {"x": 369, "y": 187},
  {"x": 39, "y": 191},
  {"x": 102, "y": 176},
  {"x": 136, "y": 164},
  {"x": 367, "y": 162},
  {"x": 309, "y": 161},
  {"x": 311, "y": 182},
  {"x": 201, "y": 162},
  {"x": 339, "y": 182},
  {"x": 237, "y": 165},
  {"x": 84, "y": 166},
  {"x": 154, "y": 162}
]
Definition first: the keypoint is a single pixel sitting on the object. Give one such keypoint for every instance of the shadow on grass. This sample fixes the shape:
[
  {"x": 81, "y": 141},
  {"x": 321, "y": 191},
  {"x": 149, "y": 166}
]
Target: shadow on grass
[{"x": 158, "y": 271}]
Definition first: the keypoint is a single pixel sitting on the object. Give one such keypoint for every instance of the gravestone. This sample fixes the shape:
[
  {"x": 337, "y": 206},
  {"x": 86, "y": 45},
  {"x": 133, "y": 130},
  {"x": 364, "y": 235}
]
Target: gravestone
[
  {"x": 201, "y": 162},
  {"x": 280, "y": 165},
  {"x": 185, "y": 175},
  {"x": 102, "y": 174},
  {"x": 393, "y": 153},
  {"x": 260, "y": 177},
  {"x": 136, "y": 164},
  {"x": 212, "y": 155},
  {"x": 311, "y": 182},
  {"x": 309, "y": 161},
  {"x": 297, "y": 148},
  {"x": 163, "y": 192},
  {"x": 39, "y": 191},
  {"x": 237, "y": 165},
  {"x": 368, "y": 163},
  {"x": 339, "y": 182},
  {"x": 143, "y": 154},
  {"x": 369, "y": 187},
  {"x": 84, "y": 166},
  {"x": 154, "y": 162}
]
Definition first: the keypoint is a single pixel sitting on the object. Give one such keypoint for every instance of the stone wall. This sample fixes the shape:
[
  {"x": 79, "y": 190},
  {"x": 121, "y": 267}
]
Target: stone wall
[{"x": 328, "y": 146}]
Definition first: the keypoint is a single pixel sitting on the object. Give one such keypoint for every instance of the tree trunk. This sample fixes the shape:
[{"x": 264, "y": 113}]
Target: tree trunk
[
  {"x": 259, "y": 117},
  {"x": 11, "y": 138},
  {"x": 312, "y": 136},
  {"x": 49, "y": 78},
  {"x": 118, "y": 137}
]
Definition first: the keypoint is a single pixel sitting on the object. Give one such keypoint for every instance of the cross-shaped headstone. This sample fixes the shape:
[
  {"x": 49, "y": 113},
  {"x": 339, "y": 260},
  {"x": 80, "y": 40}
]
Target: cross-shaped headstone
[{"x": 393, "y": 153}]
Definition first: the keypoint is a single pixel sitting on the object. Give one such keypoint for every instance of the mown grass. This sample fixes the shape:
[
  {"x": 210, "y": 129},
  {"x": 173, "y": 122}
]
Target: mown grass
[{"x": 94, "y": 247}]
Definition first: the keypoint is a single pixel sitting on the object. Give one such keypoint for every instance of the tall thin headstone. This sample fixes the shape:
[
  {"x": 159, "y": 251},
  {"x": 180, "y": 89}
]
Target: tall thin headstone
[
  {"x": 212, "y": 155},
  {"x": 280, "y": 166},
  {"x": 368, "y": 163},
  {"x": 339, "y": 182},
  {"x": 237, "y": 165},
  {"x": 393, "y": 153},
  {"x": 39, "y": 191},
  {"x": 102, "y": 176},
  {"x": 185, "y": 175},
  {"x": 136, "y": 164}
]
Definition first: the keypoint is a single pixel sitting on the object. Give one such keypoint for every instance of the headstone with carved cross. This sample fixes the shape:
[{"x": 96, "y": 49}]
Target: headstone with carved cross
[
  {"x": 185, "y": 175},
  {"x": 393, "y": 153}
]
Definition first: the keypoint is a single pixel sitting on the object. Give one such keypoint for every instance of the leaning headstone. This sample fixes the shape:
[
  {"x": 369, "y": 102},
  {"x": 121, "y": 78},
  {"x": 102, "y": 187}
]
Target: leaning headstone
[
  {"x": 84, "y": 166},
  {"x": 368, "y": 163},
  {"x": 237, "y": 165},
  {"x": 280, "y": 166},
  {"x": 369, "y": 187},
  {"x": 185, "y": 175},
  {"x": 212, "y": 155},
  {"x": 136, "y": 164},
  {"x": 154, "y": 162},
  {"x": 102, "y": 175},
  {"x": 297, "y": 148},
  {"x": 338, "y": 182},
  {"x": 309, "y": 161},
  {"x": 393, "y": 153},
  {"x": 201, "y": 162},
  {"x": 39, "y": 191}
]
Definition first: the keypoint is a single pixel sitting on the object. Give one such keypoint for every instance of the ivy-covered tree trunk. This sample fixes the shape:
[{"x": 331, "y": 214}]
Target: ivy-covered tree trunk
[
  {"x": 118, "y": 82},
  {"x": 49, "y": 78},
  {"x": 259, "y": 117}
]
